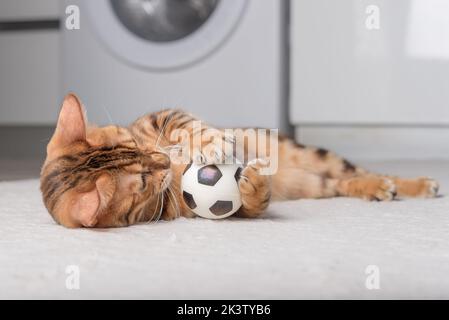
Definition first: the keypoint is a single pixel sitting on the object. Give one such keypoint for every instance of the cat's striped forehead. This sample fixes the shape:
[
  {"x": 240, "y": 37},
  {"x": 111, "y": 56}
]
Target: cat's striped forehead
[{"x": 84, "y": 168}]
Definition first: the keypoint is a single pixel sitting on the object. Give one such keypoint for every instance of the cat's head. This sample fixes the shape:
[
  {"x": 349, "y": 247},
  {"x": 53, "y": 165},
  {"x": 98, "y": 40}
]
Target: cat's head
[{"x": 98, "y": 176}]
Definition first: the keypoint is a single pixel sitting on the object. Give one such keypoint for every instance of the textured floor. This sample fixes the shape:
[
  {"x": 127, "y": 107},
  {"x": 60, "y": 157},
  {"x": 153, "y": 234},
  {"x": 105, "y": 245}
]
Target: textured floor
[{"x": 300, "y": 249}]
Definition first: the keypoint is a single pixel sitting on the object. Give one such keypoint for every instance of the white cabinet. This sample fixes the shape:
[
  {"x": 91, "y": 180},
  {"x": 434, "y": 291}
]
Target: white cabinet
[
  {"x": 371, "y": 73},
  {"x": 28, "y": 9},
  {"x": 370, "y": 61},
  {"x": 29, "y": 63},
  {"x": 29, "y": 77}
]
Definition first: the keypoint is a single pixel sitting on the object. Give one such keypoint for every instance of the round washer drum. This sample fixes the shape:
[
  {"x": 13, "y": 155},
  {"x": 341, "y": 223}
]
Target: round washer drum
[{"x": 150, "y": 48}]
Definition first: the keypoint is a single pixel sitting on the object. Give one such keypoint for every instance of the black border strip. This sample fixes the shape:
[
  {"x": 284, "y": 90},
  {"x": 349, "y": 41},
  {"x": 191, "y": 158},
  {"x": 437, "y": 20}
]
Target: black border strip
[
  {"x": 7, "y": 26},
  {"x": 249, "y": 309}
]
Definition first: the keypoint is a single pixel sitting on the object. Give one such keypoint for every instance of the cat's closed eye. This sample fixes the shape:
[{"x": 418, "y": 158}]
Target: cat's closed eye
[{"x": 144, "y": 177}]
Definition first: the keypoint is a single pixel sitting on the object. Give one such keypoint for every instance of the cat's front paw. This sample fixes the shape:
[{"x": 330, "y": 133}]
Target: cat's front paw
[
  {"x": 255, "y": 188},
  {"x": 215, "y": 148}
]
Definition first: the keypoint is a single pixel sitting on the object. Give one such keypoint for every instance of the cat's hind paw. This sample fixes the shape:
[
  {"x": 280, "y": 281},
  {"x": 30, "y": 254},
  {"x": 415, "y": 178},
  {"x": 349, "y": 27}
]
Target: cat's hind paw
[
  {"x": 371, "y": 188},
  {"x": 428, "y": 188}
]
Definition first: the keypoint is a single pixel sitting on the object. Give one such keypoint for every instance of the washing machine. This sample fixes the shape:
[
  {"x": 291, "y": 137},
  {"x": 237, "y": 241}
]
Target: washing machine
[{"x": 222, "y": 60}]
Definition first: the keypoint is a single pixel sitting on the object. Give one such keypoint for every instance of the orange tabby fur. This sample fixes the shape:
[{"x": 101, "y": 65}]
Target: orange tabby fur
[{"x": 115, "y": 176}]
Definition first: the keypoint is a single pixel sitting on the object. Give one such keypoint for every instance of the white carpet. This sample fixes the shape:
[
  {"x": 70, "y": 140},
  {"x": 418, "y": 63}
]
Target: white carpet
[{"x": 302, "y": 249}]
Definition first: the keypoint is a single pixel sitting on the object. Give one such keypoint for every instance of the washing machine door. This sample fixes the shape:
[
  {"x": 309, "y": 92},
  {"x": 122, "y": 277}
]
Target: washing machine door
[{"x": 164, "y": 34}]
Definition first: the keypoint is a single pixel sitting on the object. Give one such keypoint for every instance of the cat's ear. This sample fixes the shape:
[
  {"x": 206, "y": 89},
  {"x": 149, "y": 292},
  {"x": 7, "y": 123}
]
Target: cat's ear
[
  {"x": 87, "y": 206},
  {"x": 71, "y": 125}
]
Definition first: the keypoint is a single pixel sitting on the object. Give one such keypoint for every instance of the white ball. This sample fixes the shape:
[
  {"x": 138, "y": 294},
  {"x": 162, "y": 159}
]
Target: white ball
[{"x": 211, "y": 191}]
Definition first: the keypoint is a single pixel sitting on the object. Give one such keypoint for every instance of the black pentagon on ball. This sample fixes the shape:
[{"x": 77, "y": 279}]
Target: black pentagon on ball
[
  {"x": 238, "y": 173},
  {"x": 209, "y": 175},
  {"x": 188, "y": 198},
  {"x": 187, "y": 168},
  {"x": 221, "y": 207}
]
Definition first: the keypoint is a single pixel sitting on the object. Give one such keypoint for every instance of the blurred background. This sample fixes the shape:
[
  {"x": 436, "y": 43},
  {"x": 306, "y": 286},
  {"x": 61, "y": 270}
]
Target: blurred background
[{"x": 369, "y": 79}]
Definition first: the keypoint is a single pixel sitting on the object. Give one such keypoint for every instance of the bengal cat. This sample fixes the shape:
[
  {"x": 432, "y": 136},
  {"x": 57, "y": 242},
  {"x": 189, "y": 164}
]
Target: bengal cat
[{"x": 115, "y": 176}]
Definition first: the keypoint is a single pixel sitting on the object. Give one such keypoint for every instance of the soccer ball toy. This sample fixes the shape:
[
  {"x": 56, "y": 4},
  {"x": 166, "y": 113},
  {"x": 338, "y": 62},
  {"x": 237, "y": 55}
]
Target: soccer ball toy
[{"x": 211, "y": 190}]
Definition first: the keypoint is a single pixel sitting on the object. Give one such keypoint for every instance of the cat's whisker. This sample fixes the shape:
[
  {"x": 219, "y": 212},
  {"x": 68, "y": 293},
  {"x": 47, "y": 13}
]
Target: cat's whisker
[
  {"x": 108, "y": 115},
  {"x": 166, "y": 122},
  {"x": 176, "y": 191},
  {"x": 162, "y": 150},
  {"x": 170, "y": 198},
  {"x": 155, "y": 209},
  {"x": 168, "y": 149},
  {"x": 160, "y": 136},
  {"x": 176, "y": 147},
  {"x": 173, "y": 146},
  {"x": 141, "y": 213},
  {"x": 162, "y": 207},
  {"x": 176, "y": 204}
]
